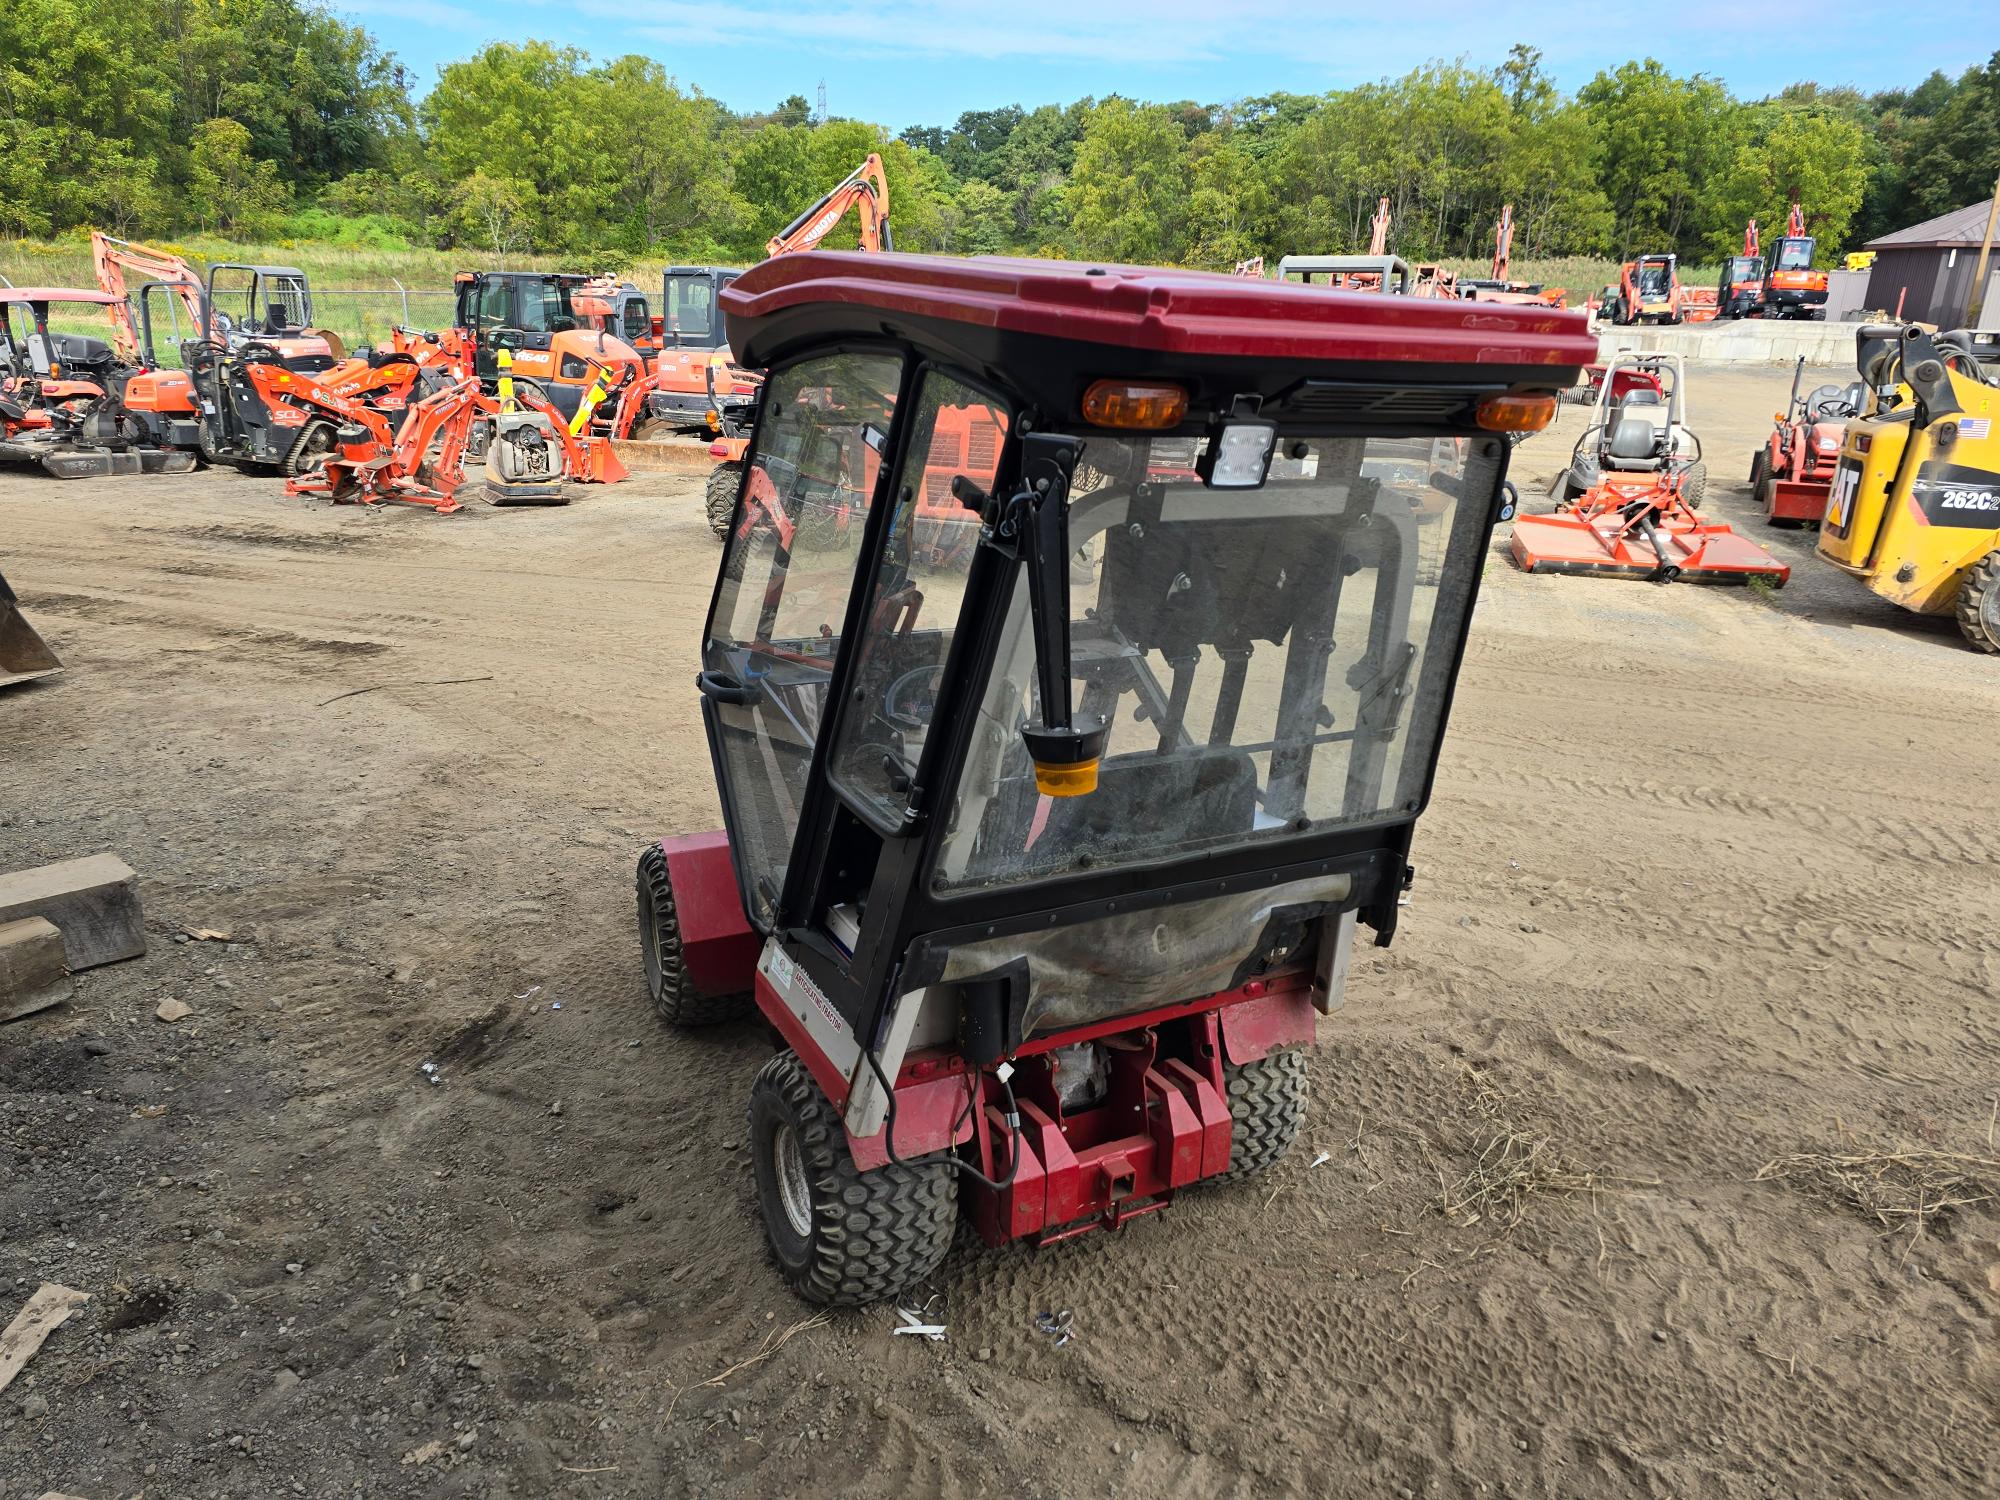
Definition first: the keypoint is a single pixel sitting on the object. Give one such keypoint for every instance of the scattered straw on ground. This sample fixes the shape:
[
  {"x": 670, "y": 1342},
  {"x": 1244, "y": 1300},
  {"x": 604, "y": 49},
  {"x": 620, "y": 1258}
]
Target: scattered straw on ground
[
  {"x": 1903, "y": 1191},
  {"x": 1513, "y": 1165}
]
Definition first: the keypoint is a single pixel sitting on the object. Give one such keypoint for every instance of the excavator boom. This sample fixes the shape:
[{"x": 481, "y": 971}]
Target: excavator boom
[
  {"x": 866, "y": 188},
  {"x": 1750, "y": 239},
  {"x": 1503, "y": 242},
  {"x": 113, "y": 258},
  {"x": 1378, "y": 227}
]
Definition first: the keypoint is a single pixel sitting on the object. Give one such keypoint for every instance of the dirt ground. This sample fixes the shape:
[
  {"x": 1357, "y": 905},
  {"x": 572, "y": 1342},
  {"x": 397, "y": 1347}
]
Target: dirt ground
[{"x": 1710, "y": 882}]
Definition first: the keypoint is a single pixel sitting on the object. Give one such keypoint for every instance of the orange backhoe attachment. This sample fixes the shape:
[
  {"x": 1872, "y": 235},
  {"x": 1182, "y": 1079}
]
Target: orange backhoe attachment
[
  {"x": 113, "y": 258},
  {"x": 371, "y": 466},
  {"x": 866, "y": 189},
  {"x": 1378, "y": 229},
  {"x": 1254, "y": 266},
  {"x": 1750, "y": 238}
]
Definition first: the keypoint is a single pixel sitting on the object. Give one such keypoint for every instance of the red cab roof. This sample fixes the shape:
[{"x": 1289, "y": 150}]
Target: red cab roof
[
  {"x": 56, "y": 294},
  {"x": 1182, "y": 315}
]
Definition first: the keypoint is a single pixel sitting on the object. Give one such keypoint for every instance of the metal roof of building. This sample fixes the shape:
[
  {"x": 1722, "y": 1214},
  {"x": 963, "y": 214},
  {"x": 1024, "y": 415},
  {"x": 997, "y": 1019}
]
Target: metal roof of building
[{"x": 1962, "y": 226}]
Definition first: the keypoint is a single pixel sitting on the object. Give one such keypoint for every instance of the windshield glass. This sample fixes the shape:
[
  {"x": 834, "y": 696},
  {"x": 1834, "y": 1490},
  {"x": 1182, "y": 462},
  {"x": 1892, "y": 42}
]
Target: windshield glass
[
  {"x": 1653, "y": 280},
  {"x": 1745, "y": 268},
  {"x": 1795, "y": 255},
  {"x": 1270, "y": 661},
  {"x": 544, "y": 307},
  {"x": 690, "y": 307}
]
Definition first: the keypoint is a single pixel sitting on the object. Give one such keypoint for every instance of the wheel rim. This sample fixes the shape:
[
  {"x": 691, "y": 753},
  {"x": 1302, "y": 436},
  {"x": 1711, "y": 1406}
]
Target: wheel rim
[{"x": 794, "y": 1193}]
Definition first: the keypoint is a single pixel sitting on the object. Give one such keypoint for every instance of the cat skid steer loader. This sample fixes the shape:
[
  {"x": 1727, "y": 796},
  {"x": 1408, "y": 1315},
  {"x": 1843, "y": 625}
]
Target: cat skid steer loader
[{"x": 1914, "y": 512}]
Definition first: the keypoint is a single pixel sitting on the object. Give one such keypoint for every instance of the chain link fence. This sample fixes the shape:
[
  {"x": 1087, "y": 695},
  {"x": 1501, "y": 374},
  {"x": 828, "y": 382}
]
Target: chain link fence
[{"x": 364, "y": 315}]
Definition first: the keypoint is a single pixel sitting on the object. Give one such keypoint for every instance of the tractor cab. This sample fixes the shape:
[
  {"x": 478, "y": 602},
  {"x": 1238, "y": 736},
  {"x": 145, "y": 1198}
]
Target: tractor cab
[
  {"x": 525, "y": 325},
  {"x": 1074, "y": 679},
  {"x": 270, "y": 306},
  {"x": 690, "y": 384},
  {"x": 1742, "y": 281},
  {"x": 618, "y": 307},
  {"x": 1792, "y": 288}
]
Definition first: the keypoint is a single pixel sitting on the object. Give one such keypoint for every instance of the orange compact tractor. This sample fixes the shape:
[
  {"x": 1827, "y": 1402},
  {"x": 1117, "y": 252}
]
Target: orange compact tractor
[
  {"x": 1792, "y": 288},
  {"x": 417, "y": 461},
  {"x": 1793, "y": 472},
  {"x": 1626, "y": 505},
  {"x": 1042, "y": 865},
  {"x": 1648, "y": 291}
]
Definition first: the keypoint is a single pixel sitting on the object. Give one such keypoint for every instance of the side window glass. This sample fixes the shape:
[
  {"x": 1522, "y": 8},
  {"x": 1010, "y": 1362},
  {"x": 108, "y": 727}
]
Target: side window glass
[{"x": 918, "y": 591}]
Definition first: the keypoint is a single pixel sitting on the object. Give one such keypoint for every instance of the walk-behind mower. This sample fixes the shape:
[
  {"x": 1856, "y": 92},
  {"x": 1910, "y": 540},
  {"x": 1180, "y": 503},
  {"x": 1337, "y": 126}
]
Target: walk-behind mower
[
  {"x": 1914, "y": 511},
  {"x": 1791, "y": 473},
  {"x": 1042, "y": 860},
  {"x": 1626, "y": 505}
]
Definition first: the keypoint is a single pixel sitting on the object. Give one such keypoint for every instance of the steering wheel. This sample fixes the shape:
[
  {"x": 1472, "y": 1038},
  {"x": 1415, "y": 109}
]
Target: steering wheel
[{"x": 257, "y": 352}]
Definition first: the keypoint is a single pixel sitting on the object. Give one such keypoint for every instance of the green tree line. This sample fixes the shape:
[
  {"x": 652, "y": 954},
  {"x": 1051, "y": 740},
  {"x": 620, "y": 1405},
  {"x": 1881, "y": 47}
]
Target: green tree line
[{"x": 262, "y": 119}]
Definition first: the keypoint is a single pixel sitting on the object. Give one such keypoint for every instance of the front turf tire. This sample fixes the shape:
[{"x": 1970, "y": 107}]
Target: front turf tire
[
  {"x": 723, "y": 482},
  {"x": 674, "y": 997},
  {"x": 841, "y": 1237}
]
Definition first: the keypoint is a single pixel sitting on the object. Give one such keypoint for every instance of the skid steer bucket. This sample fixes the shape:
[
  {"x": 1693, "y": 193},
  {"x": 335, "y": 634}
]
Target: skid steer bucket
[{"x": 24, "y": 656}]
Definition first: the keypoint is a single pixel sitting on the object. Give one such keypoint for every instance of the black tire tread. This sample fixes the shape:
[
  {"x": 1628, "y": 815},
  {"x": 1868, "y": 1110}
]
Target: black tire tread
[
  {"x": 720, "y": 499},
  {"x": 877, "y": 1233},
  {"x": 295, "y": 456},
  {"x": 676, "y": 1001},
  {"x": 1694, "y": 486},
  {"x": 1267, "y": 1107},
  {"x": 1981, "y": 579}
]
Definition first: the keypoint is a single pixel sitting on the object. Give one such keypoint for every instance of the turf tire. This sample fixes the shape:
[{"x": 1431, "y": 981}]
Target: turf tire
[
  {"x": 1694, "y": 488},
  {"x": 723, "y": 482},
  {"x": 867, "y": 1235},
  {"x": 1267, "y": 1105},
  {"x": 676, "y": 1000}
]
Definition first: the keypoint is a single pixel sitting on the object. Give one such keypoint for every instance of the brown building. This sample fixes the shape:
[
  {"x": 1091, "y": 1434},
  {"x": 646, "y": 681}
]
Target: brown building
[{"x": 1927, "y": 268}]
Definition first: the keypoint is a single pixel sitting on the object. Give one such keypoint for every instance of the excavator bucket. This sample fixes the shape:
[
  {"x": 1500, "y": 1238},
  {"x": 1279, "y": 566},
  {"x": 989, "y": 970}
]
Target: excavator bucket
[
  {"x": 1672, "y": 549},
  {"x": 24, "y": 656}
]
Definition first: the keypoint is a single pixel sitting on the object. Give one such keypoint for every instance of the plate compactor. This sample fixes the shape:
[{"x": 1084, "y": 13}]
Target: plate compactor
[
  {"x": 1626, "y": 505},
  {"x": 1045, "y": 852},
  {"x": 1914, "y": 511}
]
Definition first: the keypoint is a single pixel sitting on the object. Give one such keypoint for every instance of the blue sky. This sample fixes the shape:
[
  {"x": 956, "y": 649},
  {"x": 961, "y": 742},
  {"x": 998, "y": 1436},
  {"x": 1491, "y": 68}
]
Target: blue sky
[{"x": 905, "y": 62}]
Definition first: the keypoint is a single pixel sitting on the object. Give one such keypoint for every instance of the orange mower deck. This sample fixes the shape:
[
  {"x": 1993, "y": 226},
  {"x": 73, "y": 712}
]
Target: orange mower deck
[{"x": 1612, "y": 529}]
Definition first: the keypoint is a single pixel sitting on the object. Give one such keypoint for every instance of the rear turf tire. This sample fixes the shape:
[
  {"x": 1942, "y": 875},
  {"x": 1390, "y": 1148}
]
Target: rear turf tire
[
  {"x": 676, "y": 1000},
  {"x": 1979, "y": 604},
  {"x": 841, "y": 1237},
  {"x": 723, "y": 484},
  {"x": 1267, "y": 1105},
  {"x": 1760, "y": 465}
]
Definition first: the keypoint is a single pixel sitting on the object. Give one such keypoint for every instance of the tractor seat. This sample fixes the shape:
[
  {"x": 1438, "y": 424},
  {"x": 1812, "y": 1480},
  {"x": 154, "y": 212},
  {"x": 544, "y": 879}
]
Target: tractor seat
[
  {"x": 1635, "y": 444},
  {"x": 1640, "y": 396}
]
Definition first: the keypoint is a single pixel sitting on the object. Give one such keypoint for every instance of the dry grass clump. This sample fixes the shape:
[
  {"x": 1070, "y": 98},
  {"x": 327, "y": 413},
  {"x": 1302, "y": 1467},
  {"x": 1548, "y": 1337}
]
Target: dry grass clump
[
  {"x": 1512, "y": 1165},
  {"x": 1906, "y": 1192}
]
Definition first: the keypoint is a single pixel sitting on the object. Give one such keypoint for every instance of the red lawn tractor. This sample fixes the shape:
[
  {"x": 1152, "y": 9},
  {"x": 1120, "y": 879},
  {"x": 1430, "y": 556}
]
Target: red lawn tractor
[
  {"x": 1626, "y": 505},
  {"x": 1792, "y": 473},
  {"x": 1043, "y": 857}
]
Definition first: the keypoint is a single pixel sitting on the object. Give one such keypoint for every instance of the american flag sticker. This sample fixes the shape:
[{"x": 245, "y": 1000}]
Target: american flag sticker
[{"x": 1974, "y": 428}]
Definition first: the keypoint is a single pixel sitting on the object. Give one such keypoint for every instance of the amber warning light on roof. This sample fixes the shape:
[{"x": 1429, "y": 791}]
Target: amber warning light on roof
[
  {"x": 1134, "y": 405},
  {"x": 1516, "y": 413}
]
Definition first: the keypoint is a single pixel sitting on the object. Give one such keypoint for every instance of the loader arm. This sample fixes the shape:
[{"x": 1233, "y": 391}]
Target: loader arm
[
  {"x": 865, "y": 189},
  {"x": 113, "y": 258}
]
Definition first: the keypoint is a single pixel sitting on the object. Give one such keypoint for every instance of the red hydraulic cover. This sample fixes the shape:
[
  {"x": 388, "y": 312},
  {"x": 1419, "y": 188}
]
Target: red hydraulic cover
[{"x": 1191, "y": 314}]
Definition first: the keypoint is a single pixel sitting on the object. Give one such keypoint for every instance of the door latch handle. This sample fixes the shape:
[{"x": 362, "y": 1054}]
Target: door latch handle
[{"x": 723, "y": 688}]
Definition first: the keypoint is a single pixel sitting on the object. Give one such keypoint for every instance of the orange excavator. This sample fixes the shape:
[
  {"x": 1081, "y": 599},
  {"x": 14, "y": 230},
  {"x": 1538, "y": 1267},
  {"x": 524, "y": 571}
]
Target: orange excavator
[
  {"x": 1500, "y": 287},
  {"x": 694, "y": 376},
  {"x": 231, "y": 305},
  {"x": 1742, "y": 284},
  {"x": 1792, "y": 288}
]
